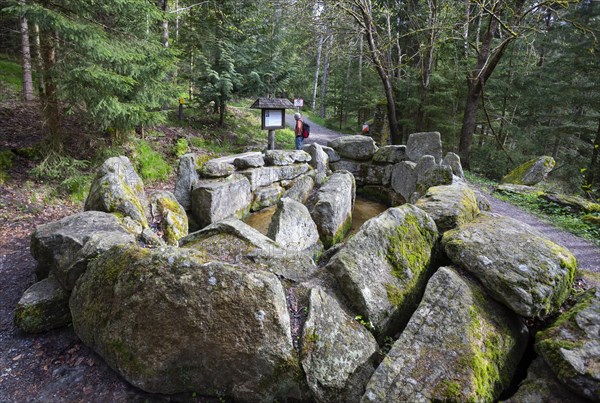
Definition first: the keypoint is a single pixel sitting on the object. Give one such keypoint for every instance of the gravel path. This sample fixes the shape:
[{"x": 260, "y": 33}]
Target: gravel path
[
  {"x": 586, "y": 253},
  {"x": 318, "y": 134}
]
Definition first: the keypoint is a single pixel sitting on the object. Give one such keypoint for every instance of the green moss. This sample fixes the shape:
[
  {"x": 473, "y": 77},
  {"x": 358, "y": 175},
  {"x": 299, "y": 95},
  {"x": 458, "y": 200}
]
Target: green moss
[
  {"x": 329, "y": 241},
  {"x": 591, "y": 219},
  {"x": 309, "y": 341},
  {"x": 29, "y": 318},
  {"x": 449, "y": 390}
]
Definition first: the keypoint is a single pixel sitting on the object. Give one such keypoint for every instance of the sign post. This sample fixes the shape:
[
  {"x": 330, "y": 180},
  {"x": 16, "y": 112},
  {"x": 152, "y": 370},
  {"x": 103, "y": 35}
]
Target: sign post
[
  {"x": 181, "y": 102},
  {"x": 298, "y": 103},
  {"x": 272, "y": 116}
]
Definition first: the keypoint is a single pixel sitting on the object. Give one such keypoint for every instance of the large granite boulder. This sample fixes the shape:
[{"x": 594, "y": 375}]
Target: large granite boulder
[
  {"x": 117, "y": 188},
  {"x": 233, "y": 241},
  {"x": 382, "y": 270},
  {"x": 438, "y": 175},
  {"x": 365, "y": 173},
  {"x": 338, "y": 353},
  {"x": 285, "y": 157},
  {"x": 332, "y": 211},
  {"x": 531, "y": 172},
  {"x": 390, "y": 154},
  {"x": 404, "y": 179},
  {"x": 332, "y": 154},
  {"x": 571, "y": 346},
  {"x": 516, "y": 264},
  {"x": 65, "y": 247},
  {"x": 217, "y": 168},
  {"x": 187, "y": 176},
  {"x": 218, "y": 199},
  {"x": 169, "y": 215},
  {"x": 459, "y": 345},
  {"x": 293, "y": 228},
  {"x": 44, "y": 306},
  {"x": 425, "y": 143},
  {"x": 168, "y": 322},
  {"x": 449, "y": 206},
  {"x": 542, "y": 386},
  {"x": 266, "y": 196},
  {"x": 249, "y": 160},
  {"x": 355, "y": 147}
]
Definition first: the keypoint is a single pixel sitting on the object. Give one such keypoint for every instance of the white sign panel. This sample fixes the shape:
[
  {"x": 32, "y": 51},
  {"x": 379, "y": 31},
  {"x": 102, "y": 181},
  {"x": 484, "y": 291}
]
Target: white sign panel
[
  {"x": 298, "y": 102},
  {"x": 273, "y": 117}
]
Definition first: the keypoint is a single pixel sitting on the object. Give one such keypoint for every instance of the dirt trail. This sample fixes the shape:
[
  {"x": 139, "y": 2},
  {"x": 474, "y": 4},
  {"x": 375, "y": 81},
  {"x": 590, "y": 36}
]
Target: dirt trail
[{"x": 318, "y": 134}]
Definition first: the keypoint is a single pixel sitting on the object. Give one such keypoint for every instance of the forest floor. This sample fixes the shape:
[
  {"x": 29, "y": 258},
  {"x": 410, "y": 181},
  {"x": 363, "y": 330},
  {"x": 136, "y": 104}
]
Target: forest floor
[{"x": 56, "y": 366}]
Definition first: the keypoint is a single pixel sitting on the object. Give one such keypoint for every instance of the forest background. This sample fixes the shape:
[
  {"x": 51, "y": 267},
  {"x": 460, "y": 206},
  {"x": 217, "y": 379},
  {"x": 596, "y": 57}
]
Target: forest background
[{"x": 502, "y": 81}]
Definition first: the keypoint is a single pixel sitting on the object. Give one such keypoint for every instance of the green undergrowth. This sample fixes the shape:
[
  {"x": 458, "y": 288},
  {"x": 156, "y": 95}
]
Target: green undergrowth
[
  {"x": 149, "y": 163},
  {"x": 583, "y": 224},
  {"x": 10, "y": 76}
]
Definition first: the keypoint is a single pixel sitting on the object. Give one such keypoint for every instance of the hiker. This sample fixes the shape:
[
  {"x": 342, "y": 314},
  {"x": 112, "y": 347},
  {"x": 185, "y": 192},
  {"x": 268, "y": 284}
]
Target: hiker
[{"x": 298, "y": 130}]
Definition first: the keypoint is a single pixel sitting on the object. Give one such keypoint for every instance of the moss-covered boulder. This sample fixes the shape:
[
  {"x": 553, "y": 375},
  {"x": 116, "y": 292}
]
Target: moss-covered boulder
[
  {"x": 572, "y": 202},
  {"x": 338, "y": 353},
  {"x": 541, "y": 385},
  {"x": 118, "y": 189},
  {"x": 365, "y": 173},
  {"x": 169, "y": 322},
  {"x": 390, "y": 154},
  {"x": 459, "y": 345},
  {"x": 438, "y": 175},
  {"x": 214, "y": 200},
  {"x": 65, "y": 247},
  {"x": 169, "y": 215},
  {"x": 532, "y": 172},
  {"x": 571, "y": 346},
  {"x": 516, "y": 264},
  {"x": 235, "y": 242},
  {"x": 187, "y": 176},
  {"x": 293, "y": 229},
  {"x": 332, "y": 211},
  {"x": 382, "y": 270},
  {"x": 424, "y": 143},
  {"x": 450, "y": 205},
  {"x": 44, "y": 306},
  {"x": 355, "y": 147}
]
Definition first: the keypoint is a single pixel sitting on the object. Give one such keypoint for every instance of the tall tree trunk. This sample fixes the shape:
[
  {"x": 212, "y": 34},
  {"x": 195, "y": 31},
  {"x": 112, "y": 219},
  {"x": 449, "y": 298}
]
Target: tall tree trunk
[
  {"x": 50, "y": 98},
  {"x": 593, "y": 173},
  {"x": 324, "y": 86},
  {"x": 426, "y": 65},
  {"x": 369, "y": 27},
  {"x": 27, "y": 78},
  {"x": 319, "y": 51},
  {"x": 39, "y": 64},
  {"x": 164, "y": 6},
  {"x": 487, "y": 60}
]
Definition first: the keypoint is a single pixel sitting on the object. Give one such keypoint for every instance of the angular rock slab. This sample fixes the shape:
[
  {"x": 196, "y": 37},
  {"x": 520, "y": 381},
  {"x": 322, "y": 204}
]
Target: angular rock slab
[
  {"x": 117, "y": 188},
  {"x": 439, "y": 175},
  {"x": 186, "y": 179},
  {"x": 265, "y": 176},
  {"x": 459, "y": 345},
  {"x": 319, "y": 158},
  {"x": 216, "y": 200},
  {"x": 516, "y": 264},
  {"x": 293, "y": 228},
  {"x": 266, "y": 197},
  {"x": 571, "y": 346},
  {"x": 253, "y": 160},
  {"x": 541, "y": 385},
  {"x": 43, "y": 306},
  {"x": 332, "y": 211},
  {"x": 171, "y": 215},
  {"x": 424, "y": 143},
  {"x": 338, "y": 353},
  {"x": 365, "y": 173},
  {"x": 66, "y": 246},
  {"x": 168, "y": 323},
  {"x": 384, "y": 267},
  {"x": 285, "y": 157},
  {"x": 233, "y": 241},
  {"x": 355, "y": 147},
  {"x": 301, "y": 189},
  {"x": 404, "y": 179},
  {"x": 531, "y": 172},
  {"x": 449, "y": 206},
  {"x": 453, "y": 161}
]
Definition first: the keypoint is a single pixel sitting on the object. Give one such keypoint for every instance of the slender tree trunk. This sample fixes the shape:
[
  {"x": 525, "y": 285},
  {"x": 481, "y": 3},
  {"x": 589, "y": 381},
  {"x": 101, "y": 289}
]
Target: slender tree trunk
[
  {"x": 164, "y": 6},
  {"x": 25, "y": 49},
  {"x": 426, "y": 65},
  {"x": 324, "y": 86},
  {"x": 367, "y": 22},
  {"x": 593, "y": 172},
  {"x": 50, "y": 98},
  {"x": 319, "y": 51},
  {"x": 466, "y": 27},
  {"x": 39, "y": 65}
]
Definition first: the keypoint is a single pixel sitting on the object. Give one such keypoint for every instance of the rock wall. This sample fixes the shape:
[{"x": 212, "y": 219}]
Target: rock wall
[{"x": 233, "y": 313}]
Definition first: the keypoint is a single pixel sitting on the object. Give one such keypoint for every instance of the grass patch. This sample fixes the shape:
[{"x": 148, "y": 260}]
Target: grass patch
[
  {"x": 11, "y": 75},
  {"x": 71, "y": 175},
  {"x": 150, "y": 164}
]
